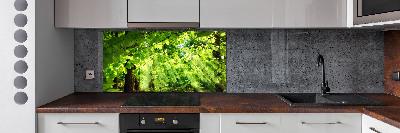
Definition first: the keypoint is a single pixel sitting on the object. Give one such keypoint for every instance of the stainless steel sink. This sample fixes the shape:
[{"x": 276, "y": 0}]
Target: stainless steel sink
[{"x": 316, "y": 99}]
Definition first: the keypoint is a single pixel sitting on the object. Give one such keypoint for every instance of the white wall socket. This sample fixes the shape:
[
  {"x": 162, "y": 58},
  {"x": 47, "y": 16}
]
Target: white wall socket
[{"x": 89, "y": 74}]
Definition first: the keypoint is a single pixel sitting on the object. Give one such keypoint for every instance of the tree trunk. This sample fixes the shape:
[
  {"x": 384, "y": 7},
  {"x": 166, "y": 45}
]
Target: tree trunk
[
  {"x": 131, "y": 84},
  {"x": 116, "y": 83},
  {"x": 136, "y": 84},
  {"x": 151, "y": 84},
  {"x": 129, "y": 81}
]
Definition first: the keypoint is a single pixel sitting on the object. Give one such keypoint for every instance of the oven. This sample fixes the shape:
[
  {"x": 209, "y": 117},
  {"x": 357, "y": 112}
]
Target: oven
[
  {"x": 159, "y": 123},
  {"x": 374, "y": 11}
]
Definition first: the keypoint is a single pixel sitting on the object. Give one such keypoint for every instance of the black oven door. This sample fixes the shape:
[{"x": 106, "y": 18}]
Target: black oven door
[{"x": 164, "y": 131}]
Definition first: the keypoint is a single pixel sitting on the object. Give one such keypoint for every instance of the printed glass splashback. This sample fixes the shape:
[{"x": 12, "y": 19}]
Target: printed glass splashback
[{"x": 164, "y": 61}]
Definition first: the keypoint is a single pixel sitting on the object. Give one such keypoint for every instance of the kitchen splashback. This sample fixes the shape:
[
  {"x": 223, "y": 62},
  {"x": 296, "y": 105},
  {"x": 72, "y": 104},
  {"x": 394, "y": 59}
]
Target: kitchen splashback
[
  {"x": 264, "y": 60},
  {"x": 164, "y": 61}
]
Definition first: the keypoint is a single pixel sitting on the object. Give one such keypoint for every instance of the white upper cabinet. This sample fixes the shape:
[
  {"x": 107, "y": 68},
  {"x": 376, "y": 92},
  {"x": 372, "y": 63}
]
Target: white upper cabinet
[
  {"x": 163, "y": 11},
  {"x": 309, "y": 13},
  {"x": 209, "y": 13},
  {"x": 236, "y": 13},
  {"x": 90, "y": 13},
  {"x": 273, "y": 13}
]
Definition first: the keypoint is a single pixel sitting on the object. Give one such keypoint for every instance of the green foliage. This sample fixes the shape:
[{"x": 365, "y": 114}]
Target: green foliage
[{"x": 164, "y": 61}]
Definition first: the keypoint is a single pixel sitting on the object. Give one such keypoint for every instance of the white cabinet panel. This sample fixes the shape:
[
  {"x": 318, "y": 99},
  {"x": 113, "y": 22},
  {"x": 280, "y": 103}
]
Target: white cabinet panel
[
  {"x": 309, "y": 13},
  {"x": 273, "y": 13},
  {"x": 107, "y": 123},
  {"x": 18, "y": 118},
  {"x": 236, "y": 13},
  {"x": 90, "y": 13},
  {"x": 163, "y": 10},
  {"x": 329, "y": 13},
  {"x": 250, "y": 123},
  {"x": 372, "y": 125},
  {"x": 321, "y": 123},
  {"x": 209, "y": 122}
]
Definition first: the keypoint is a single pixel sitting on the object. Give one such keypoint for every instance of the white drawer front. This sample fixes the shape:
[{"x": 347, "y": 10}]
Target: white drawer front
[
  {"x": 107, "y": 123},
  {"x": 372, "y": 125},
  {"x": 250, "y": 123},
  {"x": 321, "y": 123},
  {"x": 330, "y": 123}
]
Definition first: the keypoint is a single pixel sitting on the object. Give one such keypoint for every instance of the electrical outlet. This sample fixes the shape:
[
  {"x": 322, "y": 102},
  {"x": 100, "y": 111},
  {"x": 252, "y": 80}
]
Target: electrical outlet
[{"x": 89, "y": 74}]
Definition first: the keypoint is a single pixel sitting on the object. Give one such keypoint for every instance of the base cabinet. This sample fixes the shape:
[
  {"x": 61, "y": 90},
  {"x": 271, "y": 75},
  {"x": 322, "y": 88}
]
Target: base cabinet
[
  {"x": 372, "y": 125},
  {"x": 78, "y": 123},
  {"x": 210, "y": 122},
  {"x": 246, "y": 123},
  {"x": 227, "y": 123},
  {"x": 281, "y": 123},
  {"x": 321, "y": 123}
]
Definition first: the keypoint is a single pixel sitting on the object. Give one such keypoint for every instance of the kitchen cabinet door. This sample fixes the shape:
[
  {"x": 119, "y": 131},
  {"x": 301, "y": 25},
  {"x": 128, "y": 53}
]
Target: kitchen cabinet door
[
  {"x": 321, "y": 123},
  {"x": 309, "y": 13},
  {"x": 209, "y": 122},
  {"x": 372, "y": 125},
  {"x": 250, "y": 123},
  {"x": 236, "y": 13},
  {"x": 163, "y": 11},
  {"x": 78, "y": 123},
  {"x": 90, "y": 13}
]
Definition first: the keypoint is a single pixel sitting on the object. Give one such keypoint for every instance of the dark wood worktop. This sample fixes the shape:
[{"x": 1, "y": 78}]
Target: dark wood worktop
[{"x": 219, "y": 103}]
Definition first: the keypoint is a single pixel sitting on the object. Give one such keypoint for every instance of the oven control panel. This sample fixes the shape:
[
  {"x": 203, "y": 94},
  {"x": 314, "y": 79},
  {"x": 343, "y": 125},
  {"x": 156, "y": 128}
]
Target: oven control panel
[{"x": 159, "y": 121}]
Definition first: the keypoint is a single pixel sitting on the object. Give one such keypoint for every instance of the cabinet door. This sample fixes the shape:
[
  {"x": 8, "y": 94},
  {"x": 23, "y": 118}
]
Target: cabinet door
[
  {"x": 372, "y": 125},
  {"x": 78, "y": 123},
  {"x": 250, "y": 123},
  {"x": 209, "y": 122},
  {"x": 236, "y": 13},
  {"x": 321, "y": 123},
  {"x": 90, "y": 13},
  {"x": 163, "y": 11},
  {"x": 310, "y": 13}
]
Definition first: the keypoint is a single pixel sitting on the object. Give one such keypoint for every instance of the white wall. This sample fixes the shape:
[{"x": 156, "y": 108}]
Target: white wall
[
  {"x": 54, "y": 56},
  {"x": 50, "y": 60},
  {"x": 16, "y": 118}
]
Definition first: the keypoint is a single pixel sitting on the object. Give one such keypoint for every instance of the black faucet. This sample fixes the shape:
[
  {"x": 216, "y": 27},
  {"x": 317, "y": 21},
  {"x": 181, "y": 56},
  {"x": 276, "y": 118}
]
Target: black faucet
[{"x": 324, "y": 85}]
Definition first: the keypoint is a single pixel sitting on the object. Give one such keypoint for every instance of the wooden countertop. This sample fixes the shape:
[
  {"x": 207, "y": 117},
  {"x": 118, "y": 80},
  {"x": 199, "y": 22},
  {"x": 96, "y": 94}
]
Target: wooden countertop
[{"x": 219, "y": 103}]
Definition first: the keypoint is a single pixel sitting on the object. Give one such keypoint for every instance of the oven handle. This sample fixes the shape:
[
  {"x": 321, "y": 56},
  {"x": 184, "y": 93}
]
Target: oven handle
[{"x": 163, "y": 131}]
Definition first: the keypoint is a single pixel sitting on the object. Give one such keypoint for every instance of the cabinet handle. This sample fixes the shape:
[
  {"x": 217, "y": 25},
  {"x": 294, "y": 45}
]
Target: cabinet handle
[
  {"x": 322, "y": 123},
  {"x": 77, "y": 123},
  {"x": 373, "y": 129},
  {"x": 251, "y": 122}
]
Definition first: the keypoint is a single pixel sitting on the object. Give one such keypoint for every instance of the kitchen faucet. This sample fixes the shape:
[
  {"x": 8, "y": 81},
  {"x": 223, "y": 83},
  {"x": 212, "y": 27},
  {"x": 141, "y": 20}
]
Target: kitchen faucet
[{"x": 324, "y": 85}]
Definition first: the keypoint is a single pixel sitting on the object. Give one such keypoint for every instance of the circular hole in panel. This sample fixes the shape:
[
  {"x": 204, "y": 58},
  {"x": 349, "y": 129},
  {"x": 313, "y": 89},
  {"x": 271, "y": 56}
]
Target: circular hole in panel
[
  {"x": 20, "y": 98},
  {"x": 20, "y": 67},
  {"x": 20, "y": 20},
  {"x": 20, "y": 36},
  {"x": 20, "y": 82},
  {"x": 20, "y": 5},
  {"x": 20, "y": 51}
]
